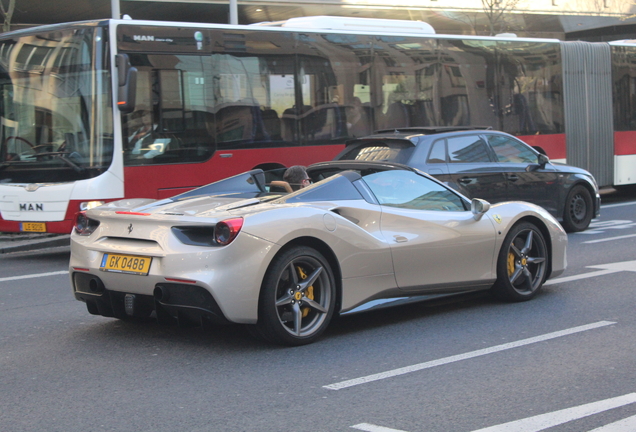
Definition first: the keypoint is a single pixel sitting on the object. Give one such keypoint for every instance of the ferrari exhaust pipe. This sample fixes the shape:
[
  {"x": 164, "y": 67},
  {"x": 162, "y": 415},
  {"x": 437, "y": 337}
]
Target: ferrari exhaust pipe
[
  {"x": 161, "y": 293},
  {"x": 95, "y": 285}
]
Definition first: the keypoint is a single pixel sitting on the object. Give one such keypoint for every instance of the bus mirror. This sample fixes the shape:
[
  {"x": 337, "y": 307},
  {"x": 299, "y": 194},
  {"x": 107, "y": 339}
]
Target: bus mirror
[{"x": 127, "y": 84}]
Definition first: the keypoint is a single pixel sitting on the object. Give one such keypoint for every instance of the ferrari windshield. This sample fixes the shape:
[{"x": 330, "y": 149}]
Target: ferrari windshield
[{"x": 55, "y": 105}]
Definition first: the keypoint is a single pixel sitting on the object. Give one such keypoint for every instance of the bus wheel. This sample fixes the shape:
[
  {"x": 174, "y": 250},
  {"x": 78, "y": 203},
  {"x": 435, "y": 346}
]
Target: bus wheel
[{"x": 578, "y": 210}]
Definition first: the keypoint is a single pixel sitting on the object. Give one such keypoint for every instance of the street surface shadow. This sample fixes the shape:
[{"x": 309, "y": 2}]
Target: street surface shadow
[{"x": 400, "y": 314}]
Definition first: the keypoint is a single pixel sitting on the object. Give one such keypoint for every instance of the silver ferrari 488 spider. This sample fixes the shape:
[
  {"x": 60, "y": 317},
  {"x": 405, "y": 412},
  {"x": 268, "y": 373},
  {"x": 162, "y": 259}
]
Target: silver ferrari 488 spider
[{"x": 361, "y": 236}]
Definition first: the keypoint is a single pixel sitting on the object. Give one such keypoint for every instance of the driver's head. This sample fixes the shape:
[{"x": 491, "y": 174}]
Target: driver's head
[{"x": 297, "y": 177}]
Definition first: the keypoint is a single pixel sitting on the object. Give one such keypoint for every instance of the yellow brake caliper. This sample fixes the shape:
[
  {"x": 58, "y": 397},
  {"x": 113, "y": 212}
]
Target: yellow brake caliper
[
  {"x": 511, "y": 263},
  {"x": 310, "y": 291}
]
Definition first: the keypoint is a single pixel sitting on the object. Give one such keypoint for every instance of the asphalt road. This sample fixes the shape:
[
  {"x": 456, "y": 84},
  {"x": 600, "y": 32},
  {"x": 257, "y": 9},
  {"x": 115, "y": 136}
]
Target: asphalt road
[{"x": 564, "y": 361}]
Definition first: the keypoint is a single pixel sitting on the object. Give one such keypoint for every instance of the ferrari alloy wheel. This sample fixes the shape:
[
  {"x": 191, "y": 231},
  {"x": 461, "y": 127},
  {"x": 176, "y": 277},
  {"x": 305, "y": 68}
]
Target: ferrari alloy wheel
[
  {"x": 297, "y": 298},
  {"x": 522, "y": 263},
  {"x": 577, "y": 214}
]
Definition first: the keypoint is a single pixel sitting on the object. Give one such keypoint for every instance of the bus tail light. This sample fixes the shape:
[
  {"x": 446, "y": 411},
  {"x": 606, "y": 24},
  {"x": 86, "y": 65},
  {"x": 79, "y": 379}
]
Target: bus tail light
[
  {"x": 226, "y": 231},
  {"x": 84, "y": 225}
]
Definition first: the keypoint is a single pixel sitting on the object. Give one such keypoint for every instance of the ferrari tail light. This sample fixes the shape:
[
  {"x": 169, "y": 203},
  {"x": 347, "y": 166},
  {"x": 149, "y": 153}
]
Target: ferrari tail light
[
  {"x": 226, "y": 231},
  {"x": 84, "y": 225}
]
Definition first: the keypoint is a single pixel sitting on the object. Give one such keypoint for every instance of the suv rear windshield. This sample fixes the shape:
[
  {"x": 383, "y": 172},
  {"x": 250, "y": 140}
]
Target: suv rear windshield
[{"x": 391, "y": 151}]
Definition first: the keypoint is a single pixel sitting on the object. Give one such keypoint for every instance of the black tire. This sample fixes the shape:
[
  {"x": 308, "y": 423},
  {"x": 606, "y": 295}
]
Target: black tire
[
  {"x": 522, "y": 263},
  {"x": 578, "y": 209},
  {"x": 298, "y": 298}
]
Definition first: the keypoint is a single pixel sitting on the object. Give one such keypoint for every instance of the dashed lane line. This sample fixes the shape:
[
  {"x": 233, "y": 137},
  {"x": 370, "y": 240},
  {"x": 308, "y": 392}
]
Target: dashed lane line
[
  {"x": 625, "y": 425},
  {"x": 374, "y": 428},
  {"x": 604, "y": 206},
  {"x": 37, "y": 275},
  {"x": 446, "y": 360},
  {"x": 609, "y": 239},
  {"x": 548, "y": 420}
]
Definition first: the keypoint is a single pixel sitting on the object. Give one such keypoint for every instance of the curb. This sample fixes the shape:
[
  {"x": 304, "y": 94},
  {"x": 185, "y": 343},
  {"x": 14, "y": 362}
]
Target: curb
[{"x": 34, "y": 244}]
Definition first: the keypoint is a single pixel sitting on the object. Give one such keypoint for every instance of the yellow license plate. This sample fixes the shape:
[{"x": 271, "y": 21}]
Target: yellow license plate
[
  {"x": 33, "y": 227},
  {"x": 131, "y": 264}
]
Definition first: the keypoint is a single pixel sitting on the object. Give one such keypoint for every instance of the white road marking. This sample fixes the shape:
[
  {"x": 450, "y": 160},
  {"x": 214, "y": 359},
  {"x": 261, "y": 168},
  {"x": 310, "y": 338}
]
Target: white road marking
[
  {"x": 373, "y": 428},
  {"x": 37, "y": 275},
  {"x": 548, "y": 420},
  {"x": 618, "y": 204},
  {"x": 604, "y": 269},
  {"x": 599, "y": 227},
  {"x": 578, "y": 277},
  {"x": 610, "y": 239},
  {"x": 446, "y": 360},
  {"x": 625, "y": 425}
]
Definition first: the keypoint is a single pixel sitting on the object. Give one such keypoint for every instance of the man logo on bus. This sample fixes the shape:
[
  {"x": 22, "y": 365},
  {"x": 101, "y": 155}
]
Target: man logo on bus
[
  {"x": 143, "y": 38},
  {"x": 31, "y": 207}
]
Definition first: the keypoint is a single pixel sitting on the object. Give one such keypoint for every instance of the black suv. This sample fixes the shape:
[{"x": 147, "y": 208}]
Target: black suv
[{"x": 483, "y": 163}]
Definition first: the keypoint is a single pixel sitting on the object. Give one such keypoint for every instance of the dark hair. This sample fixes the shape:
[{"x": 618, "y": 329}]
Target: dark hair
[{"x": 295, "y": 176}]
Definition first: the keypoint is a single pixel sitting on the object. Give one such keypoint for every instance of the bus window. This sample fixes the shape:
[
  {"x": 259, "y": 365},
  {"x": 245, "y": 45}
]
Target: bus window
[
  {"x": 251, "y": 96},
  {"x": 335, "y": 78},
  {"x": 530, "y": 95},
  {"x": 409, "y": 72},
  {"x": 54, "y": 87},
  {"x": 171, "y": 122},
  {"x": 172, "y": 102},
  {"x": 624, "y": 87}
]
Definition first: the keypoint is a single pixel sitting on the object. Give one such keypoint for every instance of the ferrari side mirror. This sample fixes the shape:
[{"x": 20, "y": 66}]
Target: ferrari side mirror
[{"x": 479, "y": 207}]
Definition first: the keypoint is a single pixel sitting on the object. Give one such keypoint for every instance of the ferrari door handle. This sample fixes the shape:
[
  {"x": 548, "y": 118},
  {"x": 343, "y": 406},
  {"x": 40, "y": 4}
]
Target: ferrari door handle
[
  {"x": 465, "y": 180},
  {"x": 513, "y": 177},
  {"x": 400, "y": 239}
]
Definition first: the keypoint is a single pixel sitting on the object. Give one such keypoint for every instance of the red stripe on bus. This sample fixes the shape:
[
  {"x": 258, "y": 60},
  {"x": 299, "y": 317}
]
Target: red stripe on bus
[
  {"x": 625, "y": 143},
  {"x": 552, "y": 144}
]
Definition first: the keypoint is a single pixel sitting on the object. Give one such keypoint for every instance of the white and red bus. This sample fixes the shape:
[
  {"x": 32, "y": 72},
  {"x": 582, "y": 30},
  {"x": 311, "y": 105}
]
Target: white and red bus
[{"x": 96, "y": 111}]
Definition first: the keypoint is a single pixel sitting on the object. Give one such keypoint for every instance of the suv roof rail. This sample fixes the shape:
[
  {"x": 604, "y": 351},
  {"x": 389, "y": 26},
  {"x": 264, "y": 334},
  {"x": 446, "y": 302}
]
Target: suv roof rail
[{"x": 429, "y": 130}]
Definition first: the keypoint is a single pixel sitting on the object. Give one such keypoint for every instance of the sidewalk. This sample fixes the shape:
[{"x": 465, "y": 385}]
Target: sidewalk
[{"x": 21, "y": 242}]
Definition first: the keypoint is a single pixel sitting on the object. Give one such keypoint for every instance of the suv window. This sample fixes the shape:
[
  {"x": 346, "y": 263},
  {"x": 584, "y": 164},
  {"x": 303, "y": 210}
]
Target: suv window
[
  {"x": 438, "y": 152},
  {"x": 467, "y": 149},
  {"x": 512, "y": 151},
  {"x": 406, "y": 189}
]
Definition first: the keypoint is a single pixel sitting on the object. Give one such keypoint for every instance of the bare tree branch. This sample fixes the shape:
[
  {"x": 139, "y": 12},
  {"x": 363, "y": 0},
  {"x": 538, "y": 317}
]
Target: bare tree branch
[
  {"x": 497, "y": 12},
  {"x": 7, "y": 14},
  {"x": 497, "y": 16}
]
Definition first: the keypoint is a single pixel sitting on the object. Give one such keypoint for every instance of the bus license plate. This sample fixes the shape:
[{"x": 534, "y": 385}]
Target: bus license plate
[
  {"x": 33, "y": 227},
  {"x": 130, "y": 264}
]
